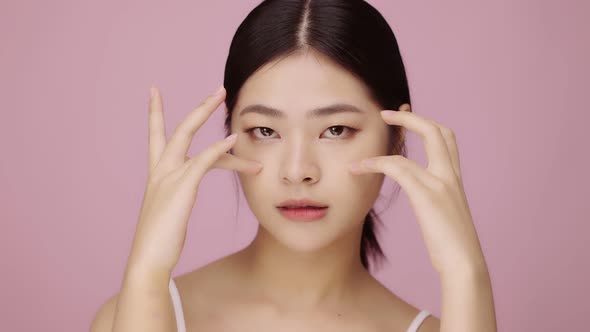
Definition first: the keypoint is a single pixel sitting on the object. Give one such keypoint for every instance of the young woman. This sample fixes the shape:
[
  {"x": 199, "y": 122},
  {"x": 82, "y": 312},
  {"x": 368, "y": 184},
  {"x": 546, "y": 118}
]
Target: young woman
[{"x": 308, "y": 85}]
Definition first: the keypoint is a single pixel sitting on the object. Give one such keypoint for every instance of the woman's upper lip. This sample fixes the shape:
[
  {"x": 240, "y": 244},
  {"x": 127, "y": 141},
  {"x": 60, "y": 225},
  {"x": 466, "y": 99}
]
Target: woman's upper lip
[{"x": 301, "y": 202}]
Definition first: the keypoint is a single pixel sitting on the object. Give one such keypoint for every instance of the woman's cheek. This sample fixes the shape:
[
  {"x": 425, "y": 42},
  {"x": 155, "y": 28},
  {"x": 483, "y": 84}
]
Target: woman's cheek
[
  {"x": 339, "y": 157},
  {"x": 246, "y": 149}
]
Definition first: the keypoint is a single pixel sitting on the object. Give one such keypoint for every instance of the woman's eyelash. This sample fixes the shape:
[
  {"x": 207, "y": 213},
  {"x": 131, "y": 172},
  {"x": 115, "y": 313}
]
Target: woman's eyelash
[{"x": 351, "y": 131}]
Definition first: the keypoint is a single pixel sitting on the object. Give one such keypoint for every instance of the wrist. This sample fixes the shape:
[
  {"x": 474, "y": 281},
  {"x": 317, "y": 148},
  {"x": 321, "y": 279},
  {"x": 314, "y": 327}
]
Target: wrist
[
  {"x": 465, "y": 273},
  {"x": 143, "y": 274}
]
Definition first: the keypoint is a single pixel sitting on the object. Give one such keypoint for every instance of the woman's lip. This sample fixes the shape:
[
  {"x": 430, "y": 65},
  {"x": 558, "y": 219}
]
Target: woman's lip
[
  {"x": 300, "y": 207},
  {"x": 303, "y": 214}
]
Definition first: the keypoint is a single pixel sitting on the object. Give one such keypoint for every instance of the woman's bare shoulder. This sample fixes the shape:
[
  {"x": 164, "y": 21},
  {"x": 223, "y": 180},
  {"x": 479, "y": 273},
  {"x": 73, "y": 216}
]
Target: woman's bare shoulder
[
  {"x": 207, "y": 276},
  {"x": 208, "y": 281},
  {"x": 217, "y": 284},
  {"x": 393, "y": 312}
]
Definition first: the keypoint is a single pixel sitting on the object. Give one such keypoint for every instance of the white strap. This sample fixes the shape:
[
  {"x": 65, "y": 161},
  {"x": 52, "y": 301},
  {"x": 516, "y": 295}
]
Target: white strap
[
  {"x": 418, "y": 321},
  {"x": 177, "y": 306}
]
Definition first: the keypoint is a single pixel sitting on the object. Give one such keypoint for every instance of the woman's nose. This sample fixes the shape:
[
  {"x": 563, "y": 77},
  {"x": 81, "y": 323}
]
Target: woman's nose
[{"x": 299, "y": 164}]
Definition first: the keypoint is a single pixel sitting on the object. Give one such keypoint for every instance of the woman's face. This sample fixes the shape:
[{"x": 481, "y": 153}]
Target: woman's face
[{"x": 308, "y": 157}]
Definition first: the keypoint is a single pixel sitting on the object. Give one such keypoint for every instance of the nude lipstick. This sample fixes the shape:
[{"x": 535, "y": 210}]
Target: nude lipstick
[{"x": 303, "y": 210}]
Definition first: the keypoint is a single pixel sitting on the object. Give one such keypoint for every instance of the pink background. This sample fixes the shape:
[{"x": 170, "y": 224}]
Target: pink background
[{"x": 510, "y": 77}]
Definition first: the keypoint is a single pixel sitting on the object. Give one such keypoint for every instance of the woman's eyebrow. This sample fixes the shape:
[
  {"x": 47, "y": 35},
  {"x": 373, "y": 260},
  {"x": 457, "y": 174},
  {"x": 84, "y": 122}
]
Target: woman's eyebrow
[{"x": 313, "y": 114}]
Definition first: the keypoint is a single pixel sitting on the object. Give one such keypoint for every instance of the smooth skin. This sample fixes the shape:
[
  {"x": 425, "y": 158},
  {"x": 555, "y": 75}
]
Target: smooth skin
[
  {"x": 173, "y": 182},
  {"x": 173, "y": 179},
  {"x": 268, "y": 286},
  {"x": 440, "y": 204},
  {"x": 144, "y": 303}
]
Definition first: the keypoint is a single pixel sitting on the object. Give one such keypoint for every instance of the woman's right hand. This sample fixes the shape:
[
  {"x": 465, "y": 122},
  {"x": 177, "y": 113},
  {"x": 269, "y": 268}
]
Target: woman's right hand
[{"x": 173, "y": 181}]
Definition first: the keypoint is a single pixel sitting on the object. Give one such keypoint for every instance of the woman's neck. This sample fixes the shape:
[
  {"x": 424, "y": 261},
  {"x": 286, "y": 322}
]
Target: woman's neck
[{"x": 294, "y": 280}]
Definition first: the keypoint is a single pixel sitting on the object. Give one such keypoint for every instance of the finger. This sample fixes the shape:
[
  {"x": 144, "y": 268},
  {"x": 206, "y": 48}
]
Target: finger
[
  {"x": 198, "y": 165},
  {"x": 436, "y": 148},
  {"x": 157, "y": 129},
  {"x": 404, "y": 108},
  {"x": 182, "y": 137},
  {"x": 231, "y": 162},
  {"x": 451, "y": 141},
  {"x": 383, "y": 163},
  {"x": 409, "y": 174}
]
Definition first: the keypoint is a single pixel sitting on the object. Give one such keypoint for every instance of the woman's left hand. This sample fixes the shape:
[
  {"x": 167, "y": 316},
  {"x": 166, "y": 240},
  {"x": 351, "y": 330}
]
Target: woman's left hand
[{"x": 435, "y": 193}]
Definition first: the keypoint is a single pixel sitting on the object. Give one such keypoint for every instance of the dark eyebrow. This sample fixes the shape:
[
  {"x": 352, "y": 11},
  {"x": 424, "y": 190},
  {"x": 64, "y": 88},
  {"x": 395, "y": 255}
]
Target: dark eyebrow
[{"x": 313, "y": 114}]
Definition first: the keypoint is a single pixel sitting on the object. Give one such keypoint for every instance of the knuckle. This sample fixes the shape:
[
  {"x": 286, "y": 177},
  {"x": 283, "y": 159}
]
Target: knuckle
[
  {"x": 211, "y": 154},
  {"x": 165, "y": 180},
  {"x": 181, "y": 130},
  {"x": 151, "y": 186},
  {"x": 455, "y": 181},
  {"x": 402, "y": 171},
  {"x": 395, "y": 166},
  {"x": 448, "y": 133},
  {"x": 432, "y": 129},
  {"x": 207, "y": 100},
  {"x": 221, "y": 146},
  {"x": 202, "y": 159},
  {"x": 398, "y": 158},
  {"x": 196, "y": 160},
  {"x": 154, "y": 180},
  {"x": 195, "y": 167},
  {"x": 180, "y": 135},
  {"x": 439, "y": 186}
]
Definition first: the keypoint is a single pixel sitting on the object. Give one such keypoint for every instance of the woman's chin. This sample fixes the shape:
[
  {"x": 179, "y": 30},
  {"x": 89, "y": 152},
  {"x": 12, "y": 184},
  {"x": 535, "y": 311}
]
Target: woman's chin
[{"x": 303, "y": 240}]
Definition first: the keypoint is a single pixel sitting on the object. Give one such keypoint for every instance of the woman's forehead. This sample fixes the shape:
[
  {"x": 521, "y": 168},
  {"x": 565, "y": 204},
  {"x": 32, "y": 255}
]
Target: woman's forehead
[{"x": 303, "y": 83}]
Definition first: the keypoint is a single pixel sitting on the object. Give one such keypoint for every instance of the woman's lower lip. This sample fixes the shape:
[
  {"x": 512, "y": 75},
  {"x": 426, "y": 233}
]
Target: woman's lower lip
[{"x": 305, "y": 214}]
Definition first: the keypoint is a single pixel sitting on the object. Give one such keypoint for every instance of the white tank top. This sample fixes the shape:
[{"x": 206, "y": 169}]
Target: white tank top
[{"x": 422, "y": 315}]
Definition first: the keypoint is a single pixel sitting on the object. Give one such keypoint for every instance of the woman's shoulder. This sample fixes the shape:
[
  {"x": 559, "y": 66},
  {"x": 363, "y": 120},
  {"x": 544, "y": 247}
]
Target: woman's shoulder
[
  {"x": 397, "y": 313},
  {"x": 210, "y": 283},
  {"x": 207, "y": 280},
  {"x": 217, "y": 285},
  {"x": 209, "y": 293}
]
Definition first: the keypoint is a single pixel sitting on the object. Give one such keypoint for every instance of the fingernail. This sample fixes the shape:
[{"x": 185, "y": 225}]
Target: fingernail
[
  {"x": 355, "y": 166},
  {"x": 388, "y": 113},
  {"x": 152, "y": 91},
  {"x": 257, "y": 168},
  {"x": 219, "y": 91},
  {"x": 369, "y": 162},
  {"x": 231, "y": 137}
]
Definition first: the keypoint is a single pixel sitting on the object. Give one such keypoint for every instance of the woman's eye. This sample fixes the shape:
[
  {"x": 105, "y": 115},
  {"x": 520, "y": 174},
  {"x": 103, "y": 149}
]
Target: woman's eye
[
  {"x": 335, "y": 132},
  {"x": 265, "y": 132},
  {"x": 339, "y": 129}
]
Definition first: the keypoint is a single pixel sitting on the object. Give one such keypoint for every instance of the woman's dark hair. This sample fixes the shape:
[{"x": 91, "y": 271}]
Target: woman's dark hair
[{"x": 351, "y": 33}]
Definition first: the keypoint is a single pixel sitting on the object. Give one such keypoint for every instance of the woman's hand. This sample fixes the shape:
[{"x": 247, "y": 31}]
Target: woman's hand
[
  {"x": 173, "y": 180},
  {"x": 436, "y": 193}
]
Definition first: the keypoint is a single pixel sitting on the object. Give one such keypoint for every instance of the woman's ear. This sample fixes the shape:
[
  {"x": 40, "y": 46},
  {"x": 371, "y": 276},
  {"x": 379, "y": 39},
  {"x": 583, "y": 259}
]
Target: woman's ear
[{"x": 405, "y": 108}]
